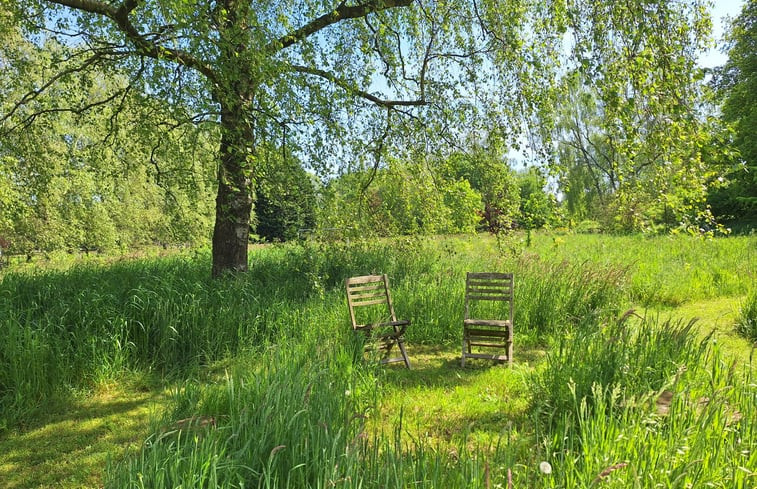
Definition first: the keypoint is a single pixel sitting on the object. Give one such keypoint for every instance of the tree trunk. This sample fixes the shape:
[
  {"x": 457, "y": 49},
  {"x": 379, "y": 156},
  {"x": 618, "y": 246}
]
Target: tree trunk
[{"x": 234, "y": 200}]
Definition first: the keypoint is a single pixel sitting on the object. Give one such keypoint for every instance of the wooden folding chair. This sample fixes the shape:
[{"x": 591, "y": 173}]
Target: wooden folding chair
[
  {"x": 487, "y": 324},
  {"x": 372, "y": 312}
]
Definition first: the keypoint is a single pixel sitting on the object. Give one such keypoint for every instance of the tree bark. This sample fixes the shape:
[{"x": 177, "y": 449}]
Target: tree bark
[{"x": 234, "y": 200}]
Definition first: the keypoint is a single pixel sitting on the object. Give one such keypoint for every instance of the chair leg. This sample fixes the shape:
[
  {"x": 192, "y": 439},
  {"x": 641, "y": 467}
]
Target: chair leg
[
  {"x": 509, "y": 353},
  {"x": 401, "y": 345},
  {"x": 462, "y": 358}
]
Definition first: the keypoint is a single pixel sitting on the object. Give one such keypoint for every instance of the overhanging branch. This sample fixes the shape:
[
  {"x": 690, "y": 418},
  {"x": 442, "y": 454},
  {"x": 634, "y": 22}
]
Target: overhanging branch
[
  {"x": 349, "y": 87},
  {"x": 33, "y": 94},
  {"x": 342, "y": 12},
  {"x": 27, "y": 121},
  {"x": 146, "y": 46}
]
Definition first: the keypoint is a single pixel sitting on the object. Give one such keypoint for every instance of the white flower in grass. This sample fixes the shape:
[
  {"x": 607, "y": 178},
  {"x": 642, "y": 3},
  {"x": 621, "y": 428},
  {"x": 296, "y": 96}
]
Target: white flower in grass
[{"x": 545, "y": 468}]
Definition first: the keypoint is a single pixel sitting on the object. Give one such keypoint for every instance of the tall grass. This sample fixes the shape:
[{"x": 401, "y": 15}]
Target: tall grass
[
  {"x": 286, "y": 421},
  {"x": 704, "y": 440},
  {"x": 667, "y": 411},
  {"x": 636, "y": 358},
  {"x": 638, "y": 406},
  {"x": 663, "y": 270},
  {"x": 296, "y": 421},
  {"x": 88, "y": 324},
  {"x": 291, "y": 412},
  {"x": 549, "y": 295}
]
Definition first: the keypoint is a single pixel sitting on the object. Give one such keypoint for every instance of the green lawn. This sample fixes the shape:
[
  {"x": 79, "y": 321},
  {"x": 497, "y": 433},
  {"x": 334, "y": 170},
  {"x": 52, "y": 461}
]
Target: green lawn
[{"x": 70, "y": 449}]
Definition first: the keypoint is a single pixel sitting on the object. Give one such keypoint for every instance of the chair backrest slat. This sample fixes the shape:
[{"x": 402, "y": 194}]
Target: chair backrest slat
[
  {"x": 365, "y": 279},
  {"x": 488, "y": 286},
  {"x": 368, "y": 290},
  {"x": 368, "y": 302}
]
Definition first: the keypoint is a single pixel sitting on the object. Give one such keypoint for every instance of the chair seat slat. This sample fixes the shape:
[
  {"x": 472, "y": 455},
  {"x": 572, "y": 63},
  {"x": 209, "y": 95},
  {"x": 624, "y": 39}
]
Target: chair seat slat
[
  {"x": 382, "y": 325},
  {"x": 499, "y": 358},
  {"x": 487, "y": 322},
  {"x": 484, "y": 333},
  {"x": 483, "y": 344}
]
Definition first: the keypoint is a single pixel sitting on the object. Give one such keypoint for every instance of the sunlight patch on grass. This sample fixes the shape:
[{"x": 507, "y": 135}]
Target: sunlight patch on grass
[
  {"x": 71, "y": 449},
  {"x": 448, "y": 405},
  {"x": 717, "y": 316}
]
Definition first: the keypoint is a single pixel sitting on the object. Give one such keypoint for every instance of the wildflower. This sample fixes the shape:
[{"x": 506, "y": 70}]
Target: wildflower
[
  {"x": 609, "y": 470},
  {"x": 545, "y": 468}
]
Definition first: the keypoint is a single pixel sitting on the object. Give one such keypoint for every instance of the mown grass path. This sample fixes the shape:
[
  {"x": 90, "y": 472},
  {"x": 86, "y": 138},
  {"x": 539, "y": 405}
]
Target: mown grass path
[{"x": 717, "y": 316}]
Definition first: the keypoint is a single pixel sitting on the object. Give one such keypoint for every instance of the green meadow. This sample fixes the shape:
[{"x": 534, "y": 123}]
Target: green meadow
[{"x": 633, "y": 367}]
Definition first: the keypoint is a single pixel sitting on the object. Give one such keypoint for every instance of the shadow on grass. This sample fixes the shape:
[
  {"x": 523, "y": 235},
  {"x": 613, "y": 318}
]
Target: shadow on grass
[{"x": 439, "y": 366}]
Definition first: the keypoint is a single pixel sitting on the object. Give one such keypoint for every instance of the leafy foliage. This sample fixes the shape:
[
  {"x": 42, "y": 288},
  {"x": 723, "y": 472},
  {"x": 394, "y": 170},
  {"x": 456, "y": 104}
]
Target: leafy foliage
[
  {"x": 349, "y": 83},
  {"x": 489, "y": 174},
  {"x": 285, "y": 199},
  {"x": 400, "y": 199},
  {"x": 538, "y": 208},
  {"x": 737, "y": 85},
  {"x": 651, "y": 176},
  {"x": 103, "y": 180}
]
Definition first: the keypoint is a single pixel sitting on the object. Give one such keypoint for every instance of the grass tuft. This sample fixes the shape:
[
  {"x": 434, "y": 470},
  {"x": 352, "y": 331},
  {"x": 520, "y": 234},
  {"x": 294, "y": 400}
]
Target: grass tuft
[{"x": 746, "y": 324}]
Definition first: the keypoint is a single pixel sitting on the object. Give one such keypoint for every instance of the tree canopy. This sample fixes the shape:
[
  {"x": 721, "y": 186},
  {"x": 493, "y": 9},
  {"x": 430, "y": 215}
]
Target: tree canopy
[{"x": 103, "y": 179}]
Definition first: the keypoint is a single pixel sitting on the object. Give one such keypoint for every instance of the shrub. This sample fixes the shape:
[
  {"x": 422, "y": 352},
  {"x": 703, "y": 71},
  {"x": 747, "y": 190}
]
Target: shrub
[{"x": 746, "y": 324}]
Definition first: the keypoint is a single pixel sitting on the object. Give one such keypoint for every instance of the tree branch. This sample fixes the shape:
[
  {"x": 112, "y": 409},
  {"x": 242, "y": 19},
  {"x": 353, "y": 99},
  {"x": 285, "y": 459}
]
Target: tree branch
[
  {"x": 27, "y": 121},
  {"x": 33, "y": 94},
  {"x": 378, "y": 151},
  {"x": 145, "y": 46},
  {"x": 346, "y": 85},
  {"x": 342, "y": 12}
]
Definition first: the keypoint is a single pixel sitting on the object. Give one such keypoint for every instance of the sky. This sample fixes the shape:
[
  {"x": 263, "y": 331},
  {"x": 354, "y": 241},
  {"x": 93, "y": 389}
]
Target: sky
[{"x": 721, "y": 8}]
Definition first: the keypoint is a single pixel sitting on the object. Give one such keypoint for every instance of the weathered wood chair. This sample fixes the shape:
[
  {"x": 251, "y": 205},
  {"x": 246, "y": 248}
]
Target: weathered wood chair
[
  {"x": 372, "y": 312},
  {"x": 487, "y": 324}
]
